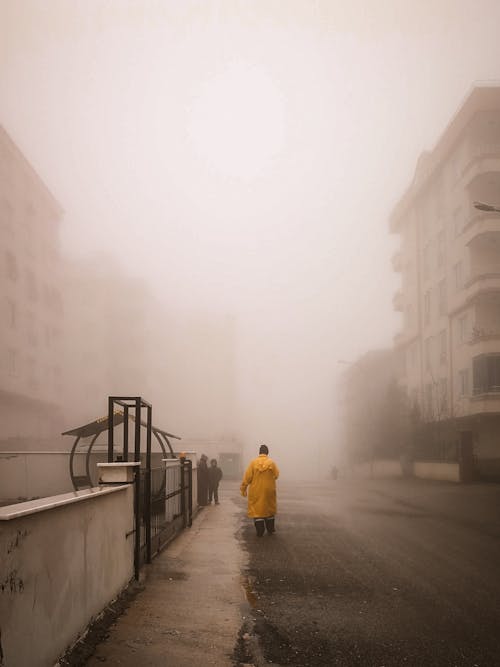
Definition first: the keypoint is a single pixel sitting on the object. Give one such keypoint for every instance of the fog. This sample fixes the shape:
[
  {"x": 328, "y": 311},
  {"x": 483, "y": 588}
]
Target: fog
[{"x": 240, "y": 161}]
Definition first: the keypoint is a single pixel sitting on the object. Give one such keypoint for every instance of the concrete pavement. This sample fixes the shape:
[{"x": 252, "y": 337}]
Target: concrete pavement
[{"x": 193, "y": 604}]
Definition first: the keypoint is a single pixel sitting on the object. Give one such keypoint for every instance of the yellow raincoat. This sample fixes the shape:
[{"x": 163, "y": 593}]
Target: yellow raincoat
[{"x": 261, "y": 476}]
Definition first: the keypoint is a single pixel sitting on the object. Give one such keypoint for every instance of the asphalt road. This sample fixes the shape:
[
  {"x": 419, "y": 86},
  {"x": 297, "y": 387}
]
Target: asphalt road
[{"x": 378, "y": 573}]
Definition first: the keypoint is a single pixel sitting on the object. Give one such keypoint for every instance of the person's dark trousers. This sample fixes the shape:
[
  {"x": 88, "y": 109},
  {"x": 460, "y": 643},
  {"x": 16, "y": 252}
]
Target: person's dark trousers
[
  {"x": 260, "y": 526},
  {"x": 270, "y": 524},
  {"x": 213, "y": 492}
]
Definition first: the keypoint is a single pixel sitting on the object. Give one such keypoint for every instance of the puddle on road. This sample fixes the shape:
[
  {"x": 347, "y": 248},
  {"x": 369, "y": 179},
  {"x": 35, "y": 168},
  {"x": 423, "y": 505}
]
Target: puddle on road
[{"x": 251, "y": 597}]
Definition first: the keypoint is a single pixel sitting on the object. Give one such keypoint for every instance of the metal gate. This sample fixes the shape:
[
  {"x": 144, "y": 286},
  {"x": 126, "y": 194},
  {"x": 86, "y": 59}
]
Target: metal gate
[
  {"x": 165, "y": 506},
  {"x": 162, "y": 495}
]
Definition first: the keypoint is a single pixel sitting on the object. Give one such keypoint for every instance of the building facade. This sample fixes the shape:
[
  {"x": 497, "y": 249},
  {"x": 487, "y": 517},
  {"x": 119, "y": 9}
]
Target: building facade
[
  {"x": 449, "y": 260},
  {"x": 31, "y": 306}
]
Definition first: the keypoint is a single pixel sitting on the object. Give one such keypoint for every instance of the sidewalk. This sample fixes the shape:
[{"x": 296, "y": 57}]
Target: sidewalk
[{"x": 193, "y": 604}]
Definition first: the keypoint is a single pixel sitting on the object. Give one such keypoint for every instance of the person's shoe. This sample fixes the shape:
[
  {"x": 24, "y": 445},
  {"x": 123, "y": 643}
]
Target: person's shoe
[
  {"x": 270, "y": 526},
  {"x": 217, "y": 502},
  {"x": 259, "y": 527}
]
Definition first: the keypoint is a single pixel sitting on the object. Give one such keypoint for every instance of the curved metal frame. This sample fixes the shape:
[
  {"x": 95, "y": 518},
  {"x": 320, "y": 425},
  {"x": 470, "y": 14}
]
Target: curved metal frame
[{"x": 87, "y": 458}]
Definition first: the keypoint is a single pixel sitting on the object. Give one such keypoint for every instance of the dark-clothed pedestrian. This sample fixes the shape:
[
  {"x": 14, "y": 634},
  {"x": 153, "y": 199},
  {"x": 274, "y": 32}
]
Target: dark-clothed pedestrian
[
  {"x": 260, "y": 477},
  {"x": 214, "y": 477},
  {"x": 202, "y": 473}
]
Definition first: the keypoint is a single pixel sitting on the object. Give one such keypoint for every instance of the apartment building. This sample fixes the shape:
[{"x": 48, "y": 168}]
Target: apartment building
[
  {"x": 31, "y": 309},
  {"x": 449, "y": 260}
]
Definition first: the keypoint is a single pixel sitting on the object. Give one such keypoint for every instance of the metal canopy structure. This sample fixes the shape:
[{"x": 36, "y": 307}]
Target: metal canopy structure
[{"x": 95, "y": 428}]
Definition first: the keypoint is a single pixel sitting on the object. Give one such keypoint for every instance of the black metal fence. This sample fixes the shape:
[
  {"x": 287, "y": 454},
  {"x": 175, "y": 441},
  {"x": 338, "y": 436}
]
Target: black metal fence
[{"x": 164, "y": 506}]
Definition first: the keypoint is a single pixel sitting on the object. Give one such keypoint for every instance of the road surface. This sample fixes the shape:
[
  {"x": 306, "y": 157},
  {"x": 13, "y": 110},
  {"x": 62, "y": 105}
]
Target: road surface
[{"x": 377, "y": 573}]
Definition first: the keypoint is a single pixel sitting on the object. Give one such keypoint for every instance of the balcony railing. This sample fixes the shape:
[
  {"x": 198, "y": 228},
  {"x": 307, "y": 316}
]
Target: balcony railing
[
  {"x": 477, "y": 286},
  {"x": 479, "y": 152},
  {"x": 479, "y": 391},
  {"x": 481, "y": 224},
  {"x": 480, "y": 334}
]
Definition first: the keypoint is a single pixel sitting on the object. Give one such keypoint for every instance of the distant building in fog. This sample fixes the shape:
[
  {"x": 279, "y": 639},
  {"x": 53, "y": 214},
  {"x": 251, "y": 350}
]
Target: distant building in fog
[
  {"x": 111, "y": 338},
  {"x": 373, "y": 408},
  {"x": 449, "y": 261},
  {"x": 31, "y": 308}
]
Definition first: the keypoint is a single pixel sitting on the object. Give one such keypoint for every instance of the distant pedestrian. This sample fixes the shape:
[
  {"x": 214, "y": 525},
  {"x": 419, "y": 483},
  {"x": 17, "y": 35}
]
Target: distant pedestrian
[
  {"x": 202, "y": 473},
  {"x": 214, "y": 477},
  {"x": 261, "y": 476}
]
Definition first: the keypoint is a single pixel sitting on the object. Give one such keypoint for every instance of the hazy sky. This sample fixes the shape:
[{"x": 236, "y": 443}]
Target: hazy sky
[{"x": 246, "y": 155}]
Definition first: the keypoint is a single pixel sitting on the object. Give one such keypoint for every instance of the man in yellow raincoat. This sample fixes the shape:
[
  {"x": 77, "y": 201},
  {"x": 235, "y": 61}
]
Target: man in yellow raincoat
[{"x": 261, "y": 476}]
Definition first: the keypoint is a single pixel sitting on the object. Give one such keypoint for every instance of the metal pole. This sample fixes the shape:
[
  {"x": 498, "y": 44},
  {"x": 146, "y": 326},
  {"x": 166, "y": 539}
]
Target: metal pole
[
  {"x": 125, "y": 434},
  {"x": 190, "y": 492},
  {"x": 183, "y": 493},
  {"x": 147, "y": 498},
  {"x": 110, "y": 429},
  {"x": 137, "y": 541},
  {"x": 137, "y": 443},
  {"x": 137, "y": 457}
]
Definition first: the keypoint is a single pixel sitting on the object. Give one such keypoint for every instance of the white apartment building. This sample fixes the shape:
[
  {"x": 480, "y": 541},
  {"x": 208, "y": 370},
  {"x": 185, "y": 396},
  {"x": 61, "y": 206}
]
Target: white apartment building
[
  {"x": 449, "y": 260},
  {"x": 31, "y": 307}
]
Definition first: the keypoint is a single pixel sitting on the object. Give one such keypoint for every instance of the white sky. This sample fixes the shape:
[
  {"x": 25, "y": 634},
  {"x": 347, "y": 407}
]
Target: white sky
[{"x": 246, "y": 155}]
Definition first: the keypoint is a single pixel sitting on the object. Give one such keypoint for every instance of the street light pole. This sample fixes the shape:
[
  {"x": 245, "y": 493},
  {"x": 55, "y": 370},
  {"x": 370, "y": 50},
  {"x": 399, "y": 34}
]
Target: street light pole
[{"x": 482, "y": 206}]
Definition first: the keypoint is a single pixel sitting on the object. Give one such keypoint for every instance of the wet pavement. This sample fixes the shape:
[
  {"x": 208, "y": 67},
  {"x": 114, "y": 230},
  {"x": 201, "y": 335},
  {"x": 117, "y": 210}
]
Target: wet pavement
[
  {"x": 364, "y": 574},
  {"x": 379, "y": 574},
  {"x": 192, "y": 605}
]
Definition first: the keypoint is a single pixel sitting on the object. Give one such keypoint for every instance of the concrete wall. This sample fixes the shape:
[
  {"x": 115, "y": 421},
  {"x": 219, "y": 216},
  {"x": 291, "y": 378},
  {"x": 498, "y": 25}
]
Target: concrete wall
[
  {"x": 34, "y": 474},
  {"x": 385, "y": 468},
  {"x": 37, "y": 474},
  {"x": 61, "y": 565},
  {"x": 446, "y": 472}
]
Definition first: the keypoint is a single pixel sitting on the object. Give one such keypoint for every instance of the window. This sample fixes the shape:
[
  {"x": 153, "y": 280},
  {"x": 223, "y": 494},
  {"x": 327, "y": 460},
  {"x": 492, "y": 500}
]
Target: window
[
  {"x": 441, "y": 249},
  {"x": 458, "y": 275},
  {"x": 6, "y": 218},
  {"x": 442, "y": 347},
  {"x": 12, "y": 362},
  {"x": 463, "y": 382},
  {"x": 31, "y": 328},
  {"x": 31, "y": 286},
  {"x": 443, "y": 396},
  {"x": 409, "y": 315},
  {"x": 428, "y": 352},
  {"x": 10, "y": 313},
  {"x": 486, "y": 373},
  {"x": 457, "y": 221},
  {"x": 462, "y": 328},
  {"x": 426, "y": 261},
  {"x": 424, "y": 227},
  {"x": 442, "y": 300},
  {"x": 414, "y": 397},
  {"x": 31, "y": 372},
  {"x": 11, "y": 266},
  {"x": 428, "y": 400},
  {"x": 427, "y": 307}
]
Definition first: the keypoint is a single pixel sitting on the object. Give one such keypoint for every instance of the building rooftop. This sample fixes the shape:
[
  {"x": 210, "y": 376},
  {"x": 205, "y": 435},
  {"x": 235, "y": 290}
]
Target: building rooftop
[{"x": 482, "y": 97}]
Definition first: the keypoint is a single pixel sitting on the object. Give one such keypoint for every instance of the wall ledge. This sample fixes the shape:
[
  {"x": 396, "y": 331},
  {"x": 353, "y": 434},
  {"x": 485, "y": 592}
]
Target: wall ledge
[{"x": 9, "y": 512}]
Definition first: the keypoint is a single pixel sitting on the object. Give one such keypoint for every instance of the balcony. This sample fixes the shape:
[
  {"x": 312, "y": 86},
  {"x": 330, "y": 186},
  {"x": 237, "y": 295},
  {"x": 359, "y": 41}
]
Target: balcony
[
  {"x": 481, "y": 285},
  {"x": 482, "y": 227},
  {"x": 482, "y": 157},
  {"x": 486, "y": 380},
  {"x": 398, "y": 301},
  {"x": 485, "y": 403},
  {"x": 485, "y": 341}
]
